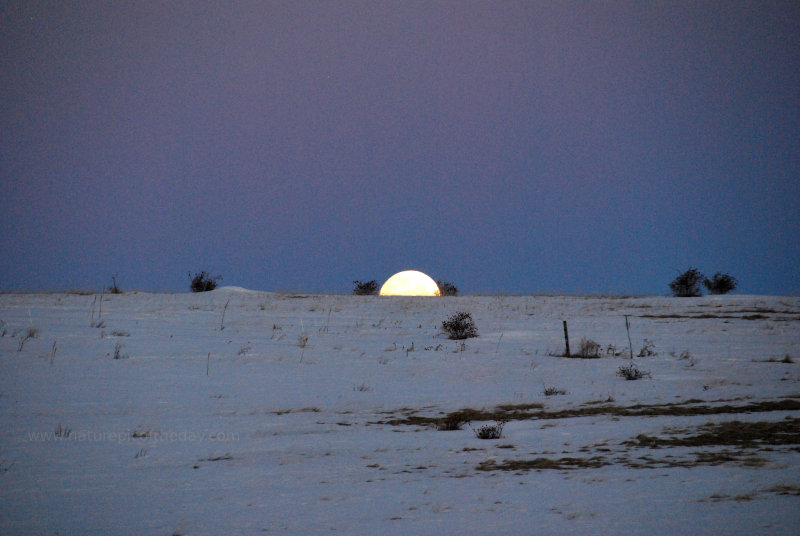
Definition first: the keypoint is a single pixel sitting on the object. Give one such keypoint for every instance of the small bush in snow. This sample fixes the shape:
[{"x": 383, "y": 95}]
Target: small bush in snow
[
  {"x": 648, "y": 349},
  {"x": 588, "y": 349},
  {"x": 302, "y": 340},
  {"x": 687, "y": 356},
  {"x": 460, "y": 326},
  {"x": 720, "y": 283},
  {"x": 365, "y": 288},
  {"x": 552, "y": 391},
  {"x": 687, "y": 284},
  {"x": 30, "y": 333},
  {"x": 62, "y": 431},
  {"x": 631, "y": 372},
  {"x": 118, "y": 352},
  {"x": 114, "y": 288},
  {"x": 490, "y": 431},
  {"x": 5, "y": 466},
  {"x": 446, "y": 288},
  {"x": 203, "y": 281}
]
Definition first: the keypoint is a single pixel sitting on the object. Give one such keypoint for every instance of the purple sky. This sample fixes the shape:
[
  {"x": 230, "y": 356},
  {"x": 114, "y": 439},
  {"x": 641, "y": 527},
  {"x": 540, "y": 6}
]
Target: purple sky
[{"x": 516, "y": 147}]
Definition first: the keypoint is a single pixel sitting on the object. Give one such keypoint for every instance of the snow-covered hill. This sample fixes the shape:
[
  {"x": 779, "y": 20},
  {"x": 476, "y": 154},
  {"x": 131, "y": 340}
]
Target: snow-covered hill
[{"x": 242, "y": 412}]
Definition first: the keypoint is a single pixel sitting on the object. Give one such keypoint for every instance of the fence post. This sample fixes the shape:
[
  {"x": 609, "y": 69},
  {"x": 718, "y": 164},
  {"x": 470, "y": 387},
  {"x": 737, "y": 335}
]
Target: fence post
[
  {"x": 566, "y": 340},
  {"x": 628, "y": 329}
]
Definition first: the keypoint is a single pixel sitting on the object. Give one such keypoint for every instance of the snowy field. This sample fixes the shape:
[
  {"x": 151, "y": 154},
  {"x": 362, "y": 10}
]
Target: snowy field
[{"x": 241, "y": 412}]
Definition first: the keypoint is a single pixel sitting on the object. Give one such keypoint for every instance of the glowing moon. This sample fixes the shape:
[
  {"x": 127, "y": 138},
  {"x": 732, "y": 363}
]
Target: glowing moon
[{"x": 410, "y": 283}]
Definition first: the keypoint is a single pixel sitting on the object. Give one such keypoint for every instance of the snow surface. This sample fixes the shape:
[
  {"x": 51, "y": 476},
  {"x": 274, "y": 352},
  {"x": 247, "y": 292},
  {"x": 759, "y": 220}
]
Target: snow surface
[{"x": 243, "y": 412}]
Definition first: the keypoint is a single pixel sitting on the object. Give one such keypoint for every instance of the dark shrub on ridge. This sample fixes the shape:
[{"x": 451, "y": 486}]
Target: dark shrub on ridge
[
  {"x": 687, "y": 284},
  {"x": 203, "y": 281},
  {"x": 720, "y": 283},
  {"x": 365, "y": 288}
]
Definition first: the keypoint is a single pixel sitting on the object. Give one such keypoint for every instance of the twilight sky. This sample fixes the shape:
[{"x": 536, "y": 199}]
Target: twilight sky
[{"x": 517, "y": 147}]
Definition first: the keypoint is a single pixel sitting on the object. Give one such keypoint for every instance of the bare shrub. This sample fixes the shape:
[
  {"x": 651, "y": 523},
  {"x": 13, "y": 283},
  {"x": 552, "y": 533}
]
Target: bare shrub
[
  {"x": 460, "y": 326},
  {"x": 277, "y": 331},
  {"x": 302, "y": 340},
  {"x": 648, "y": 349},
  {"x": 588, "y": 349},
  {"x": 203, "y": 281},
  {"x": 5, "y": 466},
  {"x": 118, "y": 352},
  {"x": 365, "y": 288},
  {"x": 632, "y": 372},
  {"x": 552, "y": 391},
  {"x": 720, "y": 283},
  {"x": 114, "y": 288},
  {"x": 490, "y": 431},
  {"x": 446, "y": 288},
  {"x": 30, "y": 333},
  {"x": 687, "y": 284}
]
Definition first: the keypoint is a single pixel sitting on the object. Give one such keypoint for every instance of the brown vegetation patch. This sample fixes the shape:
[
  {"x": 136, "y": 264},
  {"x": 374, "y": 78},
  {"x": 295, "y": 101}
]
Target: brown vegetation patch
[
  {"x": 543, "y": 463},
  {"x": 301, "y": 410},
  {"x": 756, "y": 316},
  {"x": 719, "y": 497},
  {"x": 780, "y": 489},
  {"x": 747, "y": 438},
  {"x": 519, "y": 407},
  {"x": 509, "y": 412},
  {"x": 785, "y": 489},
  {"x": 642, "y": 462},
  {"x": 785, "y": 359},
  {"x": 743, "y": 434},
  {"x": 700, "y": 458},
  {"x": 224, "y": 457}
]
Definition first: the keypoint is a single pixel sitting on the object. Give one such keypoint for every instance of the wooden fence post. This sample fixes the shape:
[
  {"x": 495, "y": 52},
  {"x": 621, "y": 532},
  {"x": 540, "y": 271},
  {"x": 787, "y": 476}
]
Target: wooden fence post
[
  {"x": 628, "y": 329},
  {"x": 566, "y": 340}
]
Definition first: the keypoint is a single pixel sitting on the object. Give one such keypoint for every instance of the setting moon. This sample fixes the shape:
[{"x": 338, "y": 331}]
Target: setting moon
[{"x": 410, "y": 283}]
